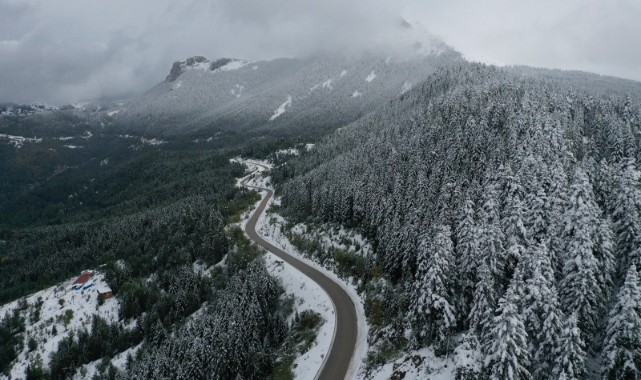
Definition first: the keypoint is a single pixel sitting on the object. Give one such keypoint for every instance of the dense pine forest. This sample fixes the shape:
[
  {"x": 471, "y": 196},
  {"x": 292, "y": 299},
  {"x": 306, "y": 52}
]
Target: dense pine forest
[
  {"x": 156, "y": 224},
  {"x": 503, "y": 206}
]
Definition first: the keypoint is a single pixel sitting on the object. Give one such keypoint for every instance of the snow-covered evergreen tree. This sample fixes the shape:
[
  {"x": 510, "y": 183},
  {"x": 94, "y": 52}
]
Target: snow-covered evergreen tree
[
  {"x": 581, "y": 291},
  {"x": 536, "y": 216},
  {"x": 490, "y": 234},
  {"x": 570, "y": 354},
  {"x": 622, "y": 345},
  {"x": 432, "y": 304},
  {"x": 484, "y": 302},
  {"x": 626, "y": 215},
  {"x": 542, "y": 314},
  {"x": 467, "y": 258},
  {"x": 507, "y": 356}
]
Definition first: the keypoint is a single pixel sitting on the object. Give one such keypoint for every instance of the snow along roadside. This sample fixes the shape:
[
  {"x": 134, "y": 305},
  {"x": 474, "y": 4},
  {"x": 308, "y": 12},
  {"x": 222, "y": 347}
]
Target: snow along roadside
[
  {"x": 308, "y": 295},
  {"x": 276, "y": 237}
]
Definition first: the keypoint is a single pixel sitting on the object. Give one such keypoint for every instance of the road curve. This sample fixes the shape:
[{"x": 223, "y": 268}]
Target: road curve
[{"x": 337, "y": 364}]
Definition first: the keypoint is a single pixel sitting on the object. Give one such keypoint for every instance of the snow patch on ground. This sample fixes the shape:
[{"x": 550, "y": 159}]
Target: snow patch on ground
[
  {"x": 288, "y": 152},
  {"x": 233, "y": 65},
  {"x": 309, "y": 146},
  {"x": 19, "y": 141},
  {"x": 406, "y": 87},
  {"x": 343, "y": 73},
  {"x": 356, "y": 94},
  {"x": 73, "y": 146},
  {"x": 80, "y": 105},
  {"x": 237, "y": 91},
  {"x": 371, "y": 77},
  {"x": 143, "y": 141},
  {"x": 112, "y": 113},
  {"x": 152, "y": 142},
  {"x": 328, "y": 84},
  {"x": 416, "y": 365},
  {"x": 178, "y": 85},
  {"x": 282, "y": 108}
]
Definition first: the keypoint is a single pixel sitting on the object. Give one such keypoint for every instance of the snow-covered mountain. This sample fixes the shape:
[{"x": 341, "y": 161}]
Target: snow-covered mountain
[{"x": 321, "y": 92}]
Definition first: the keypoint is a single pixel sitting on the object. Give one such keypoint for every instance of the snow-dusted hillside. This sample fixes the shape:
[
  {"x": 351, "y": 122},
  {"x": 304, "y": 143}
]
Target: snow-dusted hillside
[
  {"x": 54, "y": 314},
  {"x": 229, "y": 94}
]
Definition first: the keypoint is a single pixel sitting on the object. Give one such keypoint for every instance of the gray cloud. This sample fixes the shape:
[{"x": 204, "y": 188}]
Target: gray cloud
[{"x": 70, "y": 50}]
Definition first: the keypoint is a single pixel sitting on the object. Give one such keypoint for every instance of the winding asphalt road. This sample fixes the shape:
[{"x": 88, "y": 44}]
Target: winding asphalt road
[{"x": 337, "y": 364}]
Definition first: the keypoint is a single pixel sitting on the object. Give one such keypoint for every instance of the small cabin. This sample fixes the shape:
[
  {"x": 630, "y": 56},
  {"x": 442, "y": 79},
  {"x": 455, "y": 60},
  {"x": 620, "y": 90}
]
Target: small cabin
[{"x": 104, "y": 292}]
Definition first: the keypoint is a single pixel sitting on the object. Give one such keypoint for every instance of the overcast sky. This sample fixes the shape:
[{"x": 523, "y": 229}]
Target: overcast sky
[{"x": 71, "y": 50}]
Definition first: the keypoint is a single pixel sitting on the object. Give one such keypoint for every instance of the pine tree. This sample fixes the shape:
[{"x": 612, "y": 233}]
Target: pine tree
[
  {"x": 622, "y": 344},
  {"x": 467, "y": 258},
  {"x": 490, "y": 234},
  {"x": 536, "y": 216},
  {"x": 484, "y": 302},
  {"x": 581, "y": 291},
  {"x": 507, "y": 356},
  {"x": 433, "y": 304},
  {"x": 627, "y": 215},
  {"x": 542, "y": 314},
  {"x": 512, "y": 225},
  {"x": 570, "y": 354}
]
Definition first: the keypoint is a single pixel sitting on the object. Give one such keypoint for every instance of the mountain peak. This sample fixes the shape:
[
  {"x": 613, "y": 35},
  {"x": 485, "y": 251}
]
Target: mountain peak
[{"x": 200, "y": 62}]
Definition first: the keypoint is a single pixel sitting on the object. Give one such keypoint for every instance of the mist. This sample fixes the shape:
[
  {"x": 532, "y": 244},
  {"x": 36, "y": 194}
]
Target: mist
[{"x": 73, "y": 50}]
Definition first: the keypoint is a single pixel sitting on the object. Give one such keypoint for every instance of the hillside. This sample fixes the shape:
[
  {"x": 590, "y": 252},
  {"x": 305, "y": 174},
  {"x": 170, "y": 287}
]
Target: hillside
[
  {"x": 502, "y": 206},
  {"x": 279, "y": 97}
]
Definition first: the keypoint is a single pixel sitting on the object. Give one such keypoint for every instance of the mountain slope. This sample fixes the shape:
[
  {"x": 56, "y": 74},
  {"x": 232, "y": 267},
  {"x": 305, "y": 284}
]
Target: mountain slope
[
  {"x": 502, "y": 210},
  {"x": 305, "y": 95}
]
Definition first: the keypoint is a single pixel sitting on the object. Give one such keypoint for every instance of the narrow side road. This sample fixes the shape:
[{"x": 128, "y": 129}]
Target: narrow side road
[{"x": 337, "y": 364}]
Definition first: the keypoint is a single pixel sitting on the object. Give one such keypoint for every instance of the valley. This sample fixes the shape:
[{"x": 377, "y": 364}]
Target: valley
[{"x": 399, "y": 213}]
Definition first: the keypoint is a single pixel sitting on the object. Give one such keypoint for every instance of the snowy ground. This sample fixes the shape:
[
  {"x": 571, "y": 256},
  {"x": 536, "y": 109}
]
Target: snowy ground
[
  {"x": 310, "y": 295},
  {"x": 55, "y": 302},
  {"x": 281, "y": 109},
  {"x": 18, "y": 141},
  {"x": 416, "y": 365}
]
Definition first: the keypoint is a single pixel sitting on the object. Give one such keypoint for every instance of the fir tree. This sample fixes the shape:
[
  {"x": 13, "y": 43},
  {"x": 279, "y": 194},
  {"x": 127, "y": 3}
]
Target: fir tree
[
  {"x": 484, "y": 301},
  {"x": 542, "y": 314},
  {"x": 432, "y": 288},
  {"x": 570, "y": 354},
  {"x": 622, "y": 351},
  {"x": 627, "y": 215},
  {"x": 507, "y": 356},
  {"x": 467, "y": 258},
  {"x": 581, "y": 291}
]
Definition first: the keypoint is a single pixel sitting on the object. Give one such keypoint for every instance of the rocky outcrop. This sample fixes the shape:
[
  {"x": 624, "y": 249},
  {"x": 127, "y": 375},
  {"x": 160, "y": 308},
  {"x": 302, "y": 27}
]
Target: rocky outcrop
[{"x": 179, "y": 66}]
